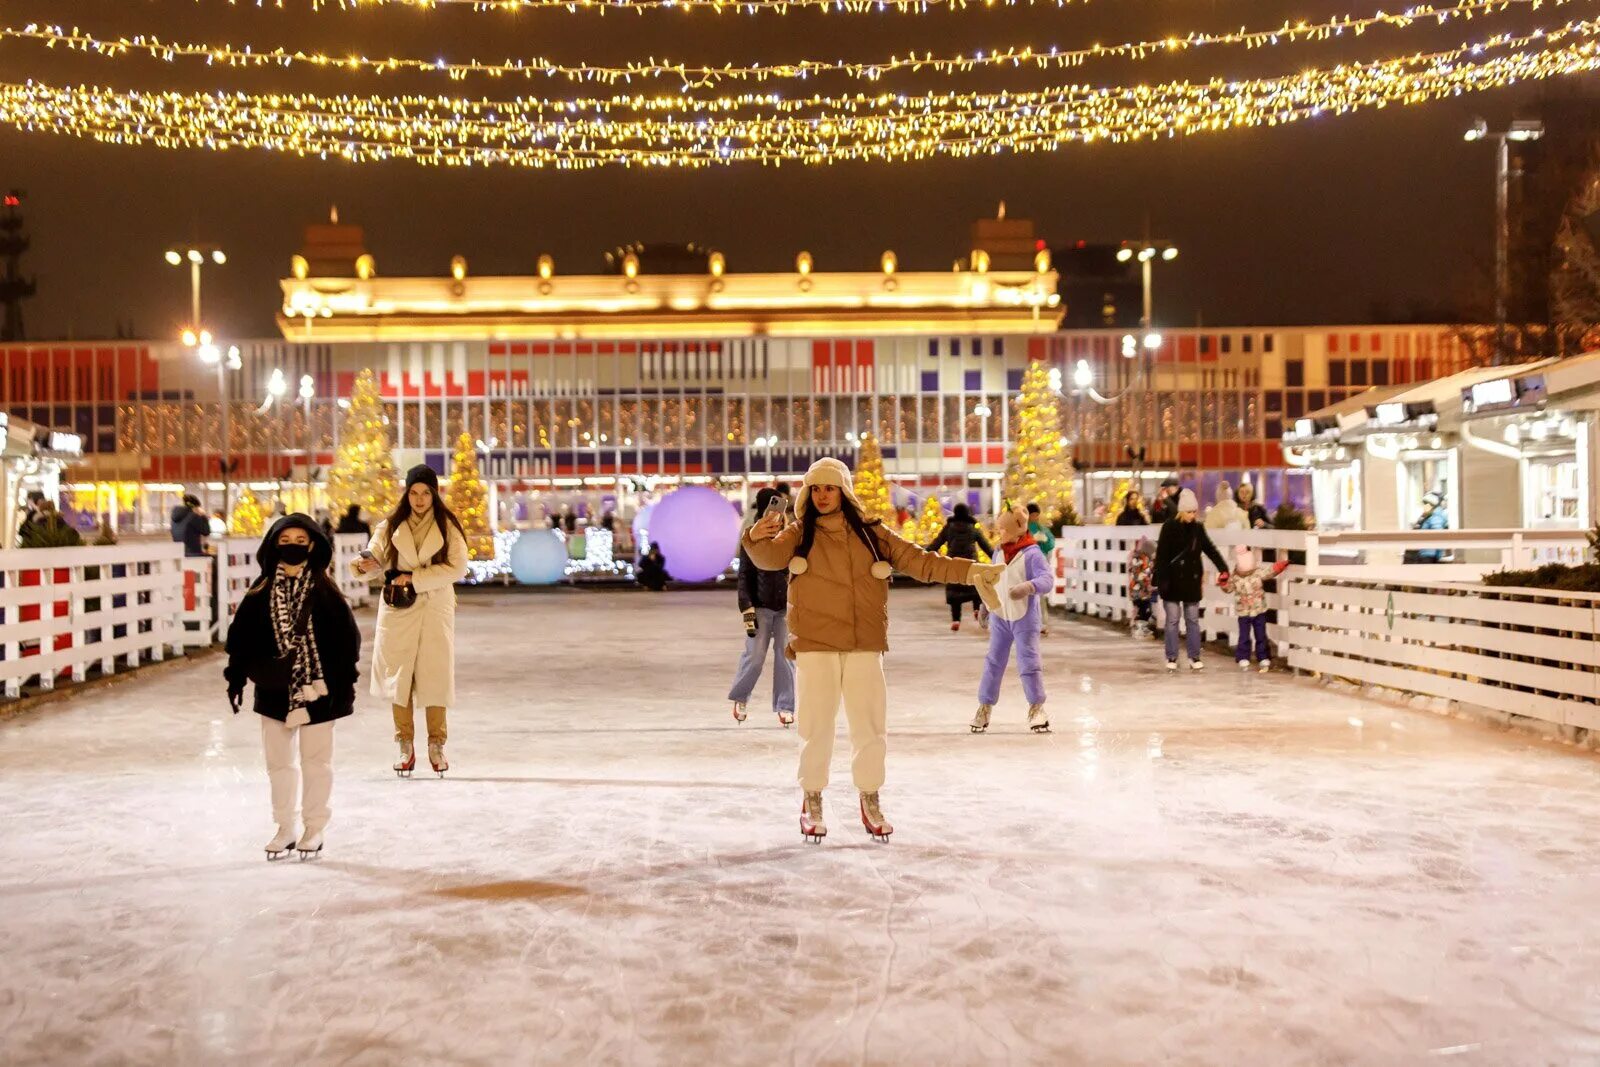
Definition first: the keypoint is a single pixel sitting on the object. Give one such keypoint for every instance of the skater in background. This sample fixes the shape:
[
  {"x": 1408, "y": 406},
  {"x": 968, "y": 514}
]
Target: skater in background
[
  {"x": 1256, "y": 517},
  {"x": 351, "y": 522},
  {"x": 1141, "y": 584},
  {"x": 1040, "y": 532},
  {"x": 839, "y": 621},
  {"x": 1225, "y": 513},
  {"x": 1132, "y": 513},
  {"x": 1248, "y": 586},
  {"x": 962, "y": 539},
  {"x": 1165, "y": 506},
  {"x": 1434, "y": 517},
  {"x": 422, "y": 552},
  {"x": 190, "y": 526},
  {"x": 652, "y": 573},
  {"x": 1180, "y": 576},
  {"x": 1027, "y": 579},
  {"x": 763, "y": 603},
  {"x": 296, "y": 639}
]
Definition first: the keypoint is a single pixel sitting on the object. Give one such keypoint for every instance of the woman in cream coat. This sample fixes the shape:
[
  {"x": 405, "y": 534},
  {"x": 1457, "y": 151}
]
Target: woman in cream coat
[{"x": 420, "y": 545}]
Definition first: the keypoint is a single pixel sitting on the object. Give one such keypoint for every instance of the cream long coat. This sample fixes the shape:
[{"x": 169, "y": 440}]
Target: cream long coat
[{"x": 416, "y": 646}]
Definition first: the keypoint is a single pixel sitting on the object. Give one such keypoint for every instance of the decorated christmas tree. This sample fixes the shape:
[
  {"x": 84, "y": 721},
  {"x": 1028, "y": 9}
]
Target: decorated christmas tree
[
  {"x": 363, "y": 470},
  {"x": 1119, "y": 500},
  {"x": 1575, "y": 276},
  {"x": 469, "y": 499},
  {"x": 930, "y": 522},
  {"x": 1039, "y": 470},
  {"x": 247, "y": 520},
  {"x": 871, "y": 488}
]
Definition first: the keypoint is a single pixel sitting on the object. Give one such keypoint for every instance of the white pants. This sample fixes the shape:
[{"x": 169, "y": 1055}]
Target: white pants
[
  {"x": 315, "y": 764},
  {"x": 822, "y": 679}
]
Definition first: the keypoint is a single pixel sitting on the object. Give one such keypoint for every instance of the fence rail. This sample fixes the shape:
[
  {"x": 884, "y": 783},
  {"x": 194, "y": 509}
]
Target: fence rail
[{"x": 64, "y": 611}]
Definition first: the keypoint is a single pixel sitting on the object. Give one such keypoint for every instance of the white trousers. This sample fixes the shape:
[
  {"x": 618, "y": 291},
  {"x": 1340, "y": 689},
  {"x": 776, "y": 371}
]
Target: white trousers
[
  {"x": 822, "y": 680},
  {"x": 315, "y": 744}
]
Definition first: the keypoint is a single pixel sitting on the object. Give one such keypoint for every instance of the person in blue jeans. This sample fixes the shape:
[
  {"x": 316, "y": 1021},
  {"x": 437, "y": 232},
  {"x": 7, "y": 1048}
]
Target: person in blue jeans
[
  {"x": 1180, "y": 576},
  {"x": 763, "y": 604}
]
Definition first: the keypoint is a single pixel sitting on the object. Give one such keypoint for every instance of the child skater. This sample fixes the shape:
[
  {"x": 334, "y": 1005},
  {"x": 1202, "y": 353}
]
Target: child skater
[
  {"x": 295, "y": 638},
  {"x": 1248, "y": 587},
  {"x": 1027, "y": 578},
  {"x": 839, "y": 625},
  {"x": 1141, "y": 584}
]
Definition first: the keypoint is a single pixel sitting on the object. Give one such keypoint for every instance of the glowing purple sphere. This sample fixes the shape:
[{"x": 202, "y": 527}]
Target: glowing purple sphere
[{"x": 698, "y": 531}]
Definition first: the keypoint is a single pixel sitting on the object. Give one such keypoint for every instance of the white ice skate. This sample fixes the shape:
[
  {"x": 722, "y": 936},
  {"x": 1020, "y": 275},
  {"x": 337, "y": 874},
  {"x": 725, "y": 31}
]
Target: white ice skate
[
  {"x": 980, "y": 721},
  {"x": 1196, "y": 665},
  {"x": 1244, "y": 665},
  {"x": 1172, "y": 665},
  {"x": 436, "y": 758},
  {"x": 282, "y": 843},
  {"x": 812, "y": 828},
  {"x": 739, "y": 713},
  {"x": 310, "y": 846},
  {"x": 872, "y": 818},
  {"x": 1038, "y": 720},
  {"x": 1265, "y": 666},
  {"x": 408, "y": 760}
]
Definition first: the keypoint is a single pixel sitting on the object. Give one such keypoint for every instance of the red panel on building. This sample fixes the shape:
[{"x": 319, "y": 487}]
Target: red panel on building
[
  {"x": 1038, "y": 348},
  {"x": 1210, "y": 454},
  {"x": 1333, "y": 342},
  {"x": 1232, "y": 454},
  {"x": 952, "y": 452},
  {"x": 1188, "y": 454},
  {"x": 1188, "y": 350}
]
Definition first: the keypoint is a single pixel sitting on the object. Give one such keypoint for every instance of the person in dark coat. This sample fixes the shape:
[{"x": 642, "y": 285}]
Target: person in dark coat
[
  {"x": 295, "y": 638},
  {"x": 763, "y": 604},
  {"x": 1132, "y": 513},
  {"x": 653, "y": 569},
  {"x": 962, "y": 538},
  {"x": 1256, "y": 517},
  {"x": 1165, "y": 506},
  {"x": 350, "y": 522},
  {"x": 190, "y": 526},
  {"x": 1180, "y": 576}
]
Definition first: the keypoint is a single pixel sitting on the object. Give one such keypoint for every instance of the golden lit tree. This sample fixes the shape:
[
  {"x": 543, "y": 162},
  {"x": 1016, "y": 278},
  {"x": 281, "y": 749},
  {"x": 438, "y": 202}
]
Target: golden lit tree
[
  {"x": 931, "y": 521},
  {"x": 469, "y": 499},
  {"x": 1039, "y": 470},
  {"x": 363, "y": 470},
  {"x": 871, "y": 488},
  {"x": 248, "y": 518},
  {"x": 1119, "y": 500}
]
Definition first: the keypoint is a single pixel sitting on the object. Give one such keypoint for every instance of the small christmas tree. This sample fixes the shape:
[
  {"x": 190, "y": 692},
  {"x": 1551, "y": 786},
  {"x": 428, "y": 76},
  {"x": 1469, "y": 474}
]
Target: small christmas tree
[
  {"x": 871, "y": 488},
  {"x": 1039, "y": 470},
  {"x": 363, "y": 470},
  {"x": 248, "y": 520},
  {"x": 1119, "y": 500},
  {"x": 469, "y": 499},
  {"x": 930, "y": 522}
]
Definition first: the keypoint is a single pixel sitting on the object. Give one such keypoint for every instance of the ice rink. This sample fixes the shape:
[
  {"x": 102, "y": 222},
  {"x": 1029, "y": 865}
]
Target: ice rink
[{"x": 1208, "y": 869}]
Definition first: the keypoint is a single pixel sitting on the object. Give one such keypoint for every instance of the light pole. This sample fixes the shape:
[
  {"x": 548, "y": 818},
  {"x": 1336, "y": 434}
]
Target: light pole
[
  {"x": 1147, "y": 251},
  {"x": 211, "y": 355},
  {"x": 1520, "y": 130},
  {"x": 196, "y": 256},
  {"x": 308, "y": 389},
  {"x": 196, "y": 336}
]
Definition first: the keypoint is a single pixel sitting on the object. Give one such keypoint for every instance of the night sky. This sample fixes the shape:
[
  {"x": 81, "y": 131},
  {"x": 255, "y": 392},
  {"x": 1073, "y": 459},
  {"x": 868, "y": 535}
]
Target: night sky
[{"x": 1317, "y": 222}]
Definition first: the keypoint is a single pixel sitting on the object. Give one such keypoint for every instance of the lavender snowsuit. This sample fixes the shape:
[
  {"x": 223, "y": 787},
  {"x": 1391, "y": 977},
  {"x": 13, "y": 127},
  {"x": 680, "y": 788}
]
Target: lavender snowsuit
[{"x": 1024, "y": 633}]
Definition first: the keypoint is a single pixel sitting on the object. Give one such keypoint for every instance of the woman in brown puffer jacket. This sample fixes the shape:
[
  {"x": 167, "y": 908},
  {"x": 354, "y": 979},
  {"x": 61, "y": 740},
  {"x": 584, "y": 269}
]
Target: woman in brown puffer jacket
[{"x": 839, "y": 627}]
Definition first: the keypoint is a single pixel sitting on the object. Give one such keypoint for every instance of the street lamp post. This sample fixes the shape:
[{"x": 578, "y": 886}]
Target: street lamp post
[
  {"x": 1147, "y": 251},
  {"x": 196, "y": 336},
  {"x": 308, "y": 389},
  {"x": 1520, "y": 130}
]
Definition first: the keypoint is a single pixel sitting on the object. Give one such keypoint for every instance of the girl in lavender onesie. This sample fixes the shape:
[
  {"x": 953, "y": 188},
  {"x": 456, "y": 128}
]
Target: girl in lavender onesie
[{"x": 1028, "y": 579}]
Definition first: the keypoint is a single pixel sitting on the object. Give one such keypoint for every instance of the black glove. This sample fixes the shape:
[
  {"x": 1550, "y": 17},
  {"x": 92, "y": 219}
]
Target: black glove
[
  {"x": 236, "y": 698},
  {"x": 749, "y": 615}
]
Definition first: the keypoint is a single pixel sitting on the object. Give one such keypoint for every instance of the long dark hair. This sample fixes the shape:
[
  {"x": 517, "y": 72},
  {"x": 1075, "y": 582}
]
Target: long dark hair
[
  {"x": 852, "y": 516},
  {"x": 441, "y": 514}
]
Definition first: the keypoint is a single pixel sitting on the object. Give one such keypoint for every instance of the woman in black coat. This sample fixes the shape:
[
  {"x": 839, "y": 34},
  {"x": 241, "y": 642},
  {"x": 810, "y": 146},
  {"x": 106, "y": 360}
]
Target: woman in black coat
[
  {"x": 1132, "y": 513},
  {"x": 295, "y": 638},
  {"x": 1180, "y": 576},
  {"x": 962, "y": 538}
]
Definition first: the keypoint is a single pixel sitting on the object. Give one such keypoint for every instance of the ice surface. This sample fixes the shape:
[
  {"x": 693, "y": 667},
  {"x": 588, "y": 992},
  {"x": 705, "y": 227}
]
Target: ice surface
[{"x": 1191, "y": 870}]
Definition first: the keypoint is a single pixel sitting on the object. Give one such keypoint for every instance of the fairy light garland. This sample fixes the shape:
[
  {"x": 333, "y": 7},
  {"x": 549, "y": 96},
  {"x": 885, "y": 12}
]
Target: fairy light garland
[
  {"x": 749, "y": 7},
  {"x": 702, "y": 76},
  {"x": 1013, "y": 122}
]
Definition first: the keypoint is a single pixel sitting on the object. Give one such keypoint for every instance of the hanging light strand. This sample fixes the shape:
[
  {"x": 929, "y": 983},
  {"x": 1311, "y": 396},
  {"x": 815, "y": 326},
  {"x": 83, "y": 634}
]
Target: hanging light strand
[
  {"x": 996, "y": 123},
  {"x": 703, "y": 76},
  {"x": 641, "y": 7}
]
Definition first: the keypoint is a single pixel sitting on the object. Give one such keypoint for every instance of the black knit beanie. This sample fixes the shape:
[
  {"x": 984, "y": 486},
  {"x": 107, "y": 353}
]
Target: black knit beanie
[{"x": 424, "y": 474}]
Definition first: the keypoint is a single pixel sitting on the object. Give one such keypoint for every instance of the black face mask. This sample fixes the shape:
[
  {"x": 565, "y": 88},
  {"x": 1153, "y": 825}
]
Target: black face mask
[{"x": 294, "y": 555}]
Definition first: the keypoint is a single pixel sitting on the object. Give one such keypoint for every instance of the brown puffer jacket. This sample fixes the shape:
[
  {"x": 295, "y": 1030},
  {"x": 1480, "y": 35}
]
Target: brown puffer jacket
[{"x": 837, "y": 605}]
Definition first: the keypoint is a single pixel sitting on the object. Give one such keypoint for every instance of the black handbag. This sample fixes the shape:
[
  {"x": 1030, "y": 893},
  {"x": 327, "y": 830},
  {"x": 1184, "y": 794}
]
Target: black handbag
[{"x": 399, "y": 596}]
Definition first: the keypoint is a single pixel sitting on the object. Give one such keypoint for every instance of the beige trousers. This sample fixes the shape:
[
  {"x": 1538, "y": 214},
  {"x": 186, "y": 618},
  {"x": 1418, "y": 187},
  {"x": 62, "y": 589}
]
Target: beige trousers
[
  {"x": 308, "y": 781},
  {"x": 405, "y": 728},
  {"x": 822, "y": 681}
]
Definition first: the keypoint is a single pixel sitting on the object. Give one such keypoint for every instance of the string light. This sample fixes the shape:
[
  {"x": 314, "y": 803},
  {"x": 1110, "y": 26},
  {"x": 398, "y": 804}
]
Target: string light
[
  {"x": 887, "y": 127},
  {"x": 700, "y": 76},
  {"x": 643, "y": 6}
]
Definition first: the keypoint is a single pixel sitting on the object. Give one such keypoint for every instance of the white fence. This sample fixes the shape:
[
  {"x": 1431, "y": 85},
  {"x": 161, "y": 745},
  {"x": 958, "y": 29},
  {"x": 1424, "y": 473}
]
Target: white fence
[
  {"x": 1527, "y": 652},
  {"x": 1354, "y": 610},
  {"x": 65, "y": 610}
]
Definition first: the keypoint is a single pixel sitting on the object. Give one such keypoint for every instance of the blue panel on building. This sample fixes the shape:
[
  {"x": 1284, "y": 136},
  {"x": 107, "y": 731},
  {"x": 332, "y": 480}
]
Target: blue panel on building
[
  {"x": 973, "y": 381},
  {"x": 930, "y": 381},
  {"x": 1013, "y": 380}
]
